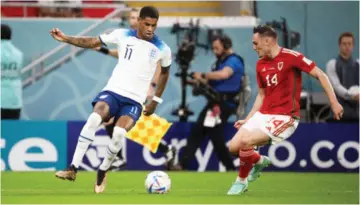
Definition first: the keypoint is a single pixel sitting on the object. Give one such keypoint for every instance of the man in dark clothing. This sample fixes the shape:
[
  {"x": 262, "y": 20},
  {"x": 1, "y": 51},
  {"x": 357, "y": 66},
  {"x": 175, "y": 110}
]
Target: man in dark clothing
[{"x": 343, "y": 72}]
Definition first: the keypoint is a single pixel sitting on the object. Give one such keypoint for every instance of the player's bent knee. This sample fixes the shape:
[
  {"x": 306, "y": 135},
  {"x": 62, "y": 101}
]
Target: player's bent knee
[
  {"x": 237, "y": 141},
  {"x": 125, "y": 122},
  {"x": 244, "y": 142},
  {"x": 232, "y": 148},
  {"x": 93, "y": 121},
  {"x": 103, "y": 109}
]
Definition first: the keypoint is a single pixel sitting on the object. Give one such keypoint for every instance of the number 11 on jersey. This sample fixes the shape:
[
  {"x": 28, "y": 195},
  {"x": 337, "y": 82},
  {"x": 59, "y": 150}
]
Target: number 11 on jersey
[{"x": 128, "y": 53}]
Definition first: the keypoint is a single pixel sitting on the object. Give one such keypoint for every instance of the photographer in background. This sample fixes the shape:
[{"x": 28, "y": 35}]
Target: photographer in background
[{"x": 225, "y": 80}]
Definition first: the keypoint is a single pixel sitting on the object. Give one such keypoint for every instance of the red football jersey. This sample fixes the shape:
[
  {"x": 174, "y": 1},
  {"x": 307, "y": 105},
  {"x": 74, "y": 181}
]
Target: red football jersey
[{"x": 281, "y": 79}]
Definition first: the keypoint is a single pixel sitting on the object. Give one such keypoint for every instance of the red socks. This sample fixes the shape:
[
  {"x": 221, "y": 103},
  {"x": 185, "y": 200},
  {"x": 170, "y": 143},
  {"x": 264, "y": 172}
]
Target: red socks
[{"x": 248, "y": 157}]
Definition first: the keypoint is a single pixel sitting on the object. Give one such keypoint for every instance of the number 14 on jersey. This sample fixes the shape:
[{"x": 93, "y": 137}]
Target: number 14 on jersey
[{"x": 271, "y": 80}]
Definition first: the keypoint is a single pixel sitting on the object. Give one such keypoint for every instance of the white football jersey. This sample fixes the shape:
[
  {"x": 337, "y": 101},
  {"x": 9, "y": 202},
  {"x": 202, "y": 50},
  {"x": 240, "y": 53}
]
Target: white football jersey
[{"x": 137, "y": 63}]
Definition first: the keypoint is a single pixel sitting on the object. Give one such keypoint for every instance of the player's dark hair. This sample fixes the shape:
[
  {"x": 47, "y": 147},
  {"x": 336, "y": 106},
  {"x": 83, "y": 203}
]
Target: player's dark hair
[
  {"x": 225, "y": 41},
  {"x": 265, "y": 30},
  {"x": 149, "y": 11},
  {"x": 5, "y": 32},
  {"x": 346, "y": 34}
]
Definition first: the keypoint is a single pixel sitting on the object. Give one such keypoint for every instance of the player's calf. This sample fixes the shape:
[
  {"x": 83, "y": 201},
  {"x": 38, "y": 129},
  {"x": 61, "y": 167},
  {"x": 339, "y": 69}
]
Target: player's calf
[
  {"x": 86, "y": 137},
  {"x": 113, "y": 148},
  {"x": 110, "y": 154}
]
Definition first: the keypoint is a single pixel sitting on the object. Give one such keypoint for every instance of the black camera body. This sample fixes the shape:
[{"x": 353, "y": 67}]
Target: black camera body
[
  {"x": 185, "y": 53},
  {"x": 187, "y": 45},
  {"x": 200, "y": 88}
]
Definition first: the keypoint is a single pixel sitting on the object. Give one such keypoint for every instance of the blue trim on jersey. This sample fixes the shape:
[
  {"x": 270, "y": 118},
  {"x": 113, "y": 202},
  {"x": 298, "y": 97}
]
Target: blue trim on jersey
[
  {"x": 155, "y": 40},
  {"x": 131, "y": 32}
]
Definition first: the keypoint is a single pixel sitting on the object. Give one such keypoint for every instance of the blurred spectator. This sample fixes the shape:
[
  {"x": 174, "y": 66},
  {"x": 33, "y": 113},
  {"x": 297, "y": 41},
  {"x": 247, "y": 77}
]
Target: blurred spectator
[
  {"x": 11, "y": 86},
  {"x": 133, "y": 18},
  {"x": 343, "y": 72},
  {"x": 60, "y": 11}
]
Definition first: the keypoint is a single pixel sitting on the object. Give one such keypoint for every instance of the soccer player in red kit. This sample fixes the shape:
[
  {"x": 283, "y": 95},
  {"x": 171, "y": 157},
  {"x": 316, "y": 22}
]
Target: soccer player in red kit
[{"x": 275, "y": 113}]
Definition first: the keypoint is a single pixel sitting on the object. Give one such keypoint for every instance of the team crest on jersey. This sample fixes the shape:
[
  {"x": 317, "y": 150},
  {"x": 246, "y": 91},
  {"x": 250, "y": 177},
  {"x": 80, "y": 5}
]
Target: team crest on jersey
[
  {"x": 280, "y": 65},
  {"x": 153, "y": 54}
]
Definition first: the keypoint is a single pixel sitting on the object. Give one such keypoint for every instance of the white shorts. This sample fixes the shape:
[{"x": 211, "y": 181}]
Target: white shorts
[{"x": 277, "y": 127}]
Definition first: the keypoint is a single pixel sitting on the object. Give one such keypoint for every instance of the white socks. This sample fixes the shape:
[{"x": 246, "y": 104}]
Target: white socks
[
  {"x": 113, "y": 148},
  {"x": 241, "y": 180},
  {"x": 261, "y": 160},
  {"x": 86, "y": 137}
]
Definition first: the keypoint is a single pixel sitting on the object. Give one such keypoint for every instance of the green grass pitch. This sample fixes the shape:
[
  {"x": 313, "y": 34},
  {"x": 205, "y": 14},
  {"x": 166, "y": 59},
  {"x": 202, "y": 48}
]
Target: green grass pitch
[{"x": 187, "y": 187}]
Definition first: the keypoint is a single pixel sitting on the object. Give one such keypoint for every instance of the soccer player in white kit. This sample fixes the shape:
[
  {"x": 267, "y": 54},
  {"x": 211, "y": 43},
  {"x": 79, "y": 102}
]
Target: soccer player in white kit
[{"x": 139, "y": 52}]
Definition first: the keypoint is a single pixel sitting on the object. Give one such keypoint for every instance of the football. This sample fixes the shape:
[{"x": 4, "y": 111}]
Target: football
[{"x": 157, "y": 182}]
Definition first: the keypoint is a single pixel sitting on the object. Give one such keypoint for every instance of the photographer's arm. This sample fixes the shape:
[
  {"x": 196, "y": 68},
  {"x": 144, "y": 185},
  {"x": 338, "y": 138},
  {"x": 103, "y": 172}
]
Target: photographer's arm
[{"x": 222, "y": 74}]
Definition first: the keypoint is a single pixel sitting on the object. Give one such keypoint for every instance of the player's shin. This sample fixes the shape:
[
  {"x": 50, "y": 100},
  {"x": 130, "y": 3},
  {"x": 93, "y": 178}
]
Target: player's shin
[
  {"x": 113, "y": 148},
  {"x": 247, "y": 158},
  {"x": 86, "y": 137}
]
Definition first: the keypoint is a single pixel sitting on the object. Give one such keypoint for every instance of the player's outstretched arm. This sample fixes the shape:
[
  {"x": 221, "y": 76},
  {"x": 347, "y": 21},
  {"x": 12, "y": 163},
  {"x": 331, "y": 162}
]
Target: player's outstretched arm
[
  {"x": 325, "y": 83},
  {"x": 83, "y": 42}
]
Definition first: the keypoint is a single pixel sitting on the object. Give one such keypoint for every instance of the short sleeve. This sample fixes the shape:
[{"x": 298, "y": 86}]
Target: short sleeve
[
  {"x": 235, "y": 64},
  {"x": 113, "y": 37},
  {"x": 165, "y": 61},
  {"x": 258, "y": 78},
  {"x": 303, "y": 63}
]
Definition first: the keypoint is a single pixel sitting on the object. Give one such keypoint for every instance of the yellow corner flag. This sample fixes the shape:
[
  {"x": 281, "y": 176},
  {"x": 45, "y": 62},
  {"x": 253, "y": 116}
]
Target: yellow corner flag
[{"x": 148, "y": 131}]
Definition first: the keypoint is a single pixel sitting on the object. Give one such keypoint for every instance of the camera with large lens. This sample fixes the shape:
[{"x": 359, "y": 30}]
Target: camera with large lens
[
  {"x": 185, "y": 53},
  {"x": 187, "y": 38},
  {"x": 204, "y": 89}
]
